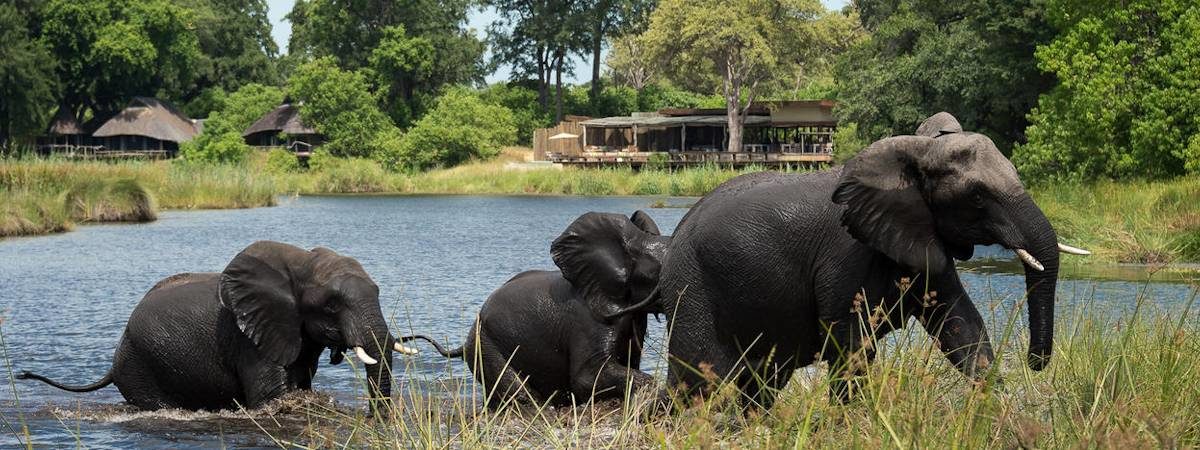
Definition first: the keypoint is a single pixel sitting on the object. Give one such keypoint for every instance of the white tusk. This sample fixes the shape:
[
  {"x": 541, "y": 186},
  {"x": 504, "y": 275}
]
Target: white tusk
[
  {"x": 1072, "y": 250},
  {"x": 1030, "y": 260},
  {"x": 404, "y": 349},
  {"x": 364, "y": 357}
]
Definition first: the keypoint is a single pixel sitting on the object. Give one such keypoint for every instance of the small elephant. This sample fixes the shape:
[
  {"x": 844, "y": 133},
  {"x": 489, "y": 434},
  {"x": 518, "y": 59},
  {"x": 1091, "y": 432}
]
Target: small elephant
[
  {"x": 771, "y": 271},
  {"x": 249, "y": 334},
  {"x": 575, "y": 333}
]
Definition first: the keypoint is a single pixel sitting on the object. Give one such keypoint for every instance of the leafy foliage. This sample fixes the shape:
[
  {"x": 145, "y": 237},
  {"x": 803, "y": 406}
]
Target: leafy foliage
[
  {"x": 222, "y": 140},
  {"x": 282, "y": 161},
  {"x": 27, "y": 86},
  {"x": 521, "y": 101},
  {"x": 236, "y": 47},
  {"x": 459, "y": 128},
  {"x": 973, "y": 59},
  {"x": 339, "y": 104},
  {"x": 402, "y": 64},
  {"x": 1128, "y": 100},
  {"x": 109, "y": 51}
]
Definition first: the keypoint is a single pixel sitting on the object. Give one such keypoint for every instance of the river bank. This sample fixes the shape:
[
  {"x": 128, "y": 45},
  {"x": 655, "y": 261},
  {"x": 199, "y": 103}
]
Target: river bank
[{"x": 1154, "y": 223}]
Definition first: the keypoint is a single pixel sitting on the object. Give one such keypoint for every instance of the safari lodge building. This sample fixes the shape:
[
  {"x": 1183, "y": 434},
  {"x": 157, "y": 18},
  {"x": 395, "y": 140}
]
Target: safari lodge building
[
  {"x": 147, "y": 128},
  {"x": 283, "y": 127},
  {"x": 775, "y": 134}
]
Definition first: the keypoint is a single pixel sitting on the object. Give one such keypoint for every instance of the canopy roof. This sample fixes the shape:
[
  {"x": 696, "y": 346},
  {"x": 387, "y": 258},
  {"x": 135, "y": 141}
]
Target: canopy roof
[
  {"x": 663, "y": 121},
  {"x": 285, "y": 118},
  {"x": 152, "y": 118},
  {"x": 64, "y": 124}
]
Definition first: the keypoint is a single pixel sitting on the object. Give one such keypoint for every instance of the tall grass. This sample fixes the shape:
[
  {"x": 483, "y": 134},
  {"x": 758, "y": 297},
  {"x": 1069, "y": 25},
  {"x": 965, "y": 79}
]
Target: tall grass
[
  {"x": 1114, "y": 382},
  {"x": 1132, "y": 222}
]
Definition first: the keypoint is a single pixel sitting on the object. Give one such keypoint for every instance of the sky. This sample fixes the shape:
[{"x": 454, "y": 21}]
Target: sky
[{"x": 478, "y": 20}]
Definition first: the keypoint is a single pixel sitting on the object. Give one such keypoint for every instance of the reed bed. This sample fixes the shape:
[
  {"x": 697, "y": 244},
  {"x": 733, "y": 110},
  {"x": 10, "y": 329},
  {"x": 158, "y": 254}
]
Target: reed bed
[{"x": 1115, "y": 382}]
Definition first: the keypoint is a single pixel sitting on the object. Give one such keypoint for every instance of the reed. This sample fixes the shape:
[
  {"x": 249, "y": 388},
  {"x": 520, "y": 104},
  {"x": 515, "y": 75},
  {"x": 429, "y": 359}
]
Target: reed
[{"x": 1115, "y": 382}]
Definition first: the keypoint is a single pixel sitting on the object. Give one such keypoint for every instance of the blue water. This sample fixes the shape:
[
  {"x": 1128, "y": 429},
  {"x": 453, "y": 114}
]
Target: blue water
[{"x": 64, "y": 299}]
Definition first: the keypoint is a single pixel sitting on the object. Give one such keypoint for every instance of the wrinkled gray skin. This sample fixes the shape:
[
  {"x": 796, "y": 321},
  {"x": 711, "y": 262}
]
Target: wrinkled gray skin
[
  {"x": 772, "y": 262},
  {"x": 249, "y": 334},
  {"x": 576, "y": 334}
]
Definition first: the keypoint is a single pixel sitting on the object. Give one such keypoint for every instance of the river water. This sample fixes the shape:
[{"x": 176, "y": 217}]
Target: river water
[{"x": 64, "y": 299}]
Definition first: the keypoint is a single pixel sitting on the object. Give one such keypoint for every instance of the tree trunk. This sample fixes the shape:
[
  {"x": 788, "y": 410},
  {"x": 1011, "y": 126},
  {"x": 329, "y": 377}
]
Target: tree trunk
[
  {"x": 597, "y": 43},
  {"x": 543, "y": 91},
  {"x": 558, "y": 87},
  {"x": 732, "y": 102}
]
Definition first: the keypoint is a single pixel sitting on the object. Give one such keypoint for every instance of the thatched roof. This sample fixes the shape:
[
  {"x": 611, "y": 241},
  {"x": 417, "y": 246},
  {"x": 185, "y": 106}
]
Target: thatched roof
[
  {"x": 152, "y": 118},
  {"x": 64, "y": 124},
  {"x": 285, "y": 118}
]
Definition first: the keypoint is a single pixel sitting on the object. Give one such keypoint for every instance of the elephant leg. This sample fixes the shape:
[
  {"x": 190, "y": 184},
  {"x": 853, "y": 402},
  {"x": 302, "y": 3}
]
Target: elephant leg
[
  {"x": 608, "y": 380},
  {"x": 959, "y": 330},
  {"x": 262, "y": 382},
  {"x": 509, "y": 385},
  {"x": 770, "y": 375},
  {"x": 698, "y": 358},
  {"x": 847, "y": 360}
]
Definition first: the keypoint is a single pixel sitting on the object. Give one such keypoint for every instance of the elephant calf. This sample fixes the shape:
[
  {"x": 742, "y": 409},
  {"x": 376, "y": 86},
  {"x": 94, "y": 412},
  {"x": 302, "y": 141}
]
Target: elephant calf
[
  {"x": 555, "y": 334},
  {"x": 249, "y": 334}
]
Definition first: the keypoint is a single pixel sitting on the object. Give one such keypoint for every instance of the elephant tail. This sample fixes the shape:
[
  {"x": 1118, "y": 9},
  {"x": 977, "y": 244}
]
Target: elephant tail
[
  {"x": 107, "y": 380},
  {"x": 456, "y": 353}
]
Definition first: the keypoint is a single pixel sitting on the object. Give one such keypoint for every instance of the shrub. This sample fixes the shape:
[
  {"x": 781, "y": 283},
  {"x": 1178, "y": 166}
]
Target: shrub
[
  {"x": 282, "y": 161},
  {"x": 227, "y": 147},
  {"x": 340, "y": 105},
  {"x": 458, "y": 128}
]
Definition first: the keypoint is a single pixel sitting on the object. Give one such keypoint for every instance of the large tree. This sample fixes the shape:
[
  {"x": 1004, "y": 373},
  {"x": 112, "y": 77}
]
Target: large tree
[
  {"x": 973, "y": 58},
  {"x": 352, "y": 31},
  {"x": 108, "y": 51},
  {"x": 537, "y": 38},
  {"x": 27, "y": 86},
  {"x": 235, "y": 44},
  {"x": 741, "y": 43},
  {"x": 609, "y": 19},
  {"x": 1127, "y": 104}
]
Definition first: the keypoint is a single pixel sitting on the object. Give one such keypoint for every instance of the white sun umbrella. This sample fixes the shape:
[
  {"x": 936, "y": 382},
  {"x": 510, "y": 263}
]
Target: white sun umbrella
[{"x": 564, "y": 136}]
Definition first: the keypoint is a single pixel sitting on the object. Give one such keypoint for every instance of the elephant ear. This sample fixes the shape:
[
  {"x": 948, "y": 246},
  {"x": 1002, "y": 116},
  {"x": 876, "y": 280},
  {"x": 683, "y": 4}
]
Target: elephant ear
[
  {"x": 885, "y": 208},
  {"x": 644, "y": 222},
  {"x": 939, "y": 124},
  {"x": 593, "y": 254},
  {"x": 258, "y": 287}
]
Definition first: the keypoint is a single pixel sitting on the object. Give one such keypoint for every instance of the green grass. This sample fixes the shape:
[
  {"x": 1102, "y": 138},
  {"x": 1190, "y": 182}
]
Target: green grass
[
  {"x": 1130, "y": 222},
  {"x": 1113, "y": 383}
]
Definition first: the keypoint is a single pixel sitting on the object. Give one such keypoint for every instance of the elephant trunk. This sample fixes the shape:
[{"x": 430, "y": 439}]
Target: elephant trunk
[
  {"x": 1040, "y": 282},
  {"x": 369, "y": 334}
]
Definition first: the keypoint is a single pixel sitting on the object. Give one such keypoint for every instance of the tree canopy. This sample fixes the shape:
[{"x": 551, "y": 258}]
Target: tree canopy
[
  {"x": 27, "y": 86},
  {"x": 1127, "y": 103}
]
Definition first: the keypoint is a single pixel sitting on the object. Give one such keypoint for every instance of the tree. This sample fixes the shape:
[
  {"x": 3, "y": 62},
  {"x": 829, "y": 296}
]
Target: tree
[
  {"x": 222, "y": 140},
  {"x": 339, "y": 104},
  {"x": 27, "y": 87},
  {"x": 459, "y": 128},
  {"x": 352, "y": 30},
  {"x": 401, "y": 65},
  {"x": 236, "y": 47},
  {"x": 630, "y": 64},
  {"x": 537, "y": 38},
  {"x": 972, "y": 58},
  {"x": 1127, "y": 104},
  {"x": 739, "y": 40},
  {"x": 109, "y": 51},
  {"x": 609, "y": 19}
]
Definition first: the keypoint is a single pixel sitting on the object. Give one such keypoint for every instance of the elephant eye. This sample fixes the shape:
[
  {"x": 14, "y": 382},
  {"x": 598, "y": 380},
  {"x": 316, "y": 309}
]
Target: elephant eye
[{"x": 978, "y": 200}]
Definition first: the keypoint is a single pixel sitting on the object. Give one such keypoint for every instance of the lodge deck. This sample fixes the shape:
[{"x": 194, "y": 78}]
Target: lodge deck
[{"x": 692, "y": 158}]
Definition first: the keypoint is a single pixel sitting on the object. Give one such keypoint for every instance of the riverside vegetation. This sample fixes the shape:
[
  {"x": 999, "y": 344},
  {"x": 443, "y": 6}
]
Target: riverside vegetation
[{"x": 1148, "y": 222}]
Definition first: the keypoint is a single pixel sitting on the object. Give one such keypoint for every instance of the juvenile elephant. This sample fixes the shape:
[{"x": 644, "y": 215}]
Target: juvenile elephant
[
  {"x": 575, "y": 332},
  {"x": 773, "y": 271},
  {"x": 250, "y": 333}
]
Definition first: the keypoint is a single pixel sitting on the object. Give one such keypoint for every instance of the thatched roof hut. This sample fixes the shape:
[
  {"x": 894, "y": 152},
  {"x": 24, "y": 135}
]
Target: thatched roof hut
[
  {"x": 150, "y": 118},
  {"x": 64, "y": 124},
  {"x": 284, "y": 119}
]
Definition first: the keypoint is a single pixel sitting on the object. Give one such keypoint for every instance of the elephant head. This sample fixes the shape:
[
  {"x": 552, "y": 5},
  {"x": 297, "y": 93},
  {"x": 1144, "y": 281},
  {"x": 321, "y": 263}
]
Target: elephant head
[
  {"x": 928, "y": 199},
  {"x": 613, "y": 260},
  {"x": 285, "y": 299}
]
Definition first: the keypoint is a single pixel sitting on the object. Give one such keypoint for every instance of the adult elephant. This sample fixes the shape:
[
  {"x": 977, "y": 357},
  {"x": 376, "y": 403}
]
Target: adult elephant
[
  {"x": 249, "y": 334},
  {"x": 772, "y": 271},
  {"x": 551, "y": 336}
]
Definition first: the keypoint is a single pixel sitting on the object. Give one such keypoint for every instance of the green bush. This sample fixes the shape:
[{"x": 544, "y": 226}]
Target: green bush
[
  {"x": 222, "y": 140},
  {"x": 227, "y": 147},
  {"x": 282, "y": 161},
  {"x": 458, "y": 128},
  {"x": 340, "y": 105},
  {"x": 527, "y": 114},
  {"x": 847, "y": 143}
]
